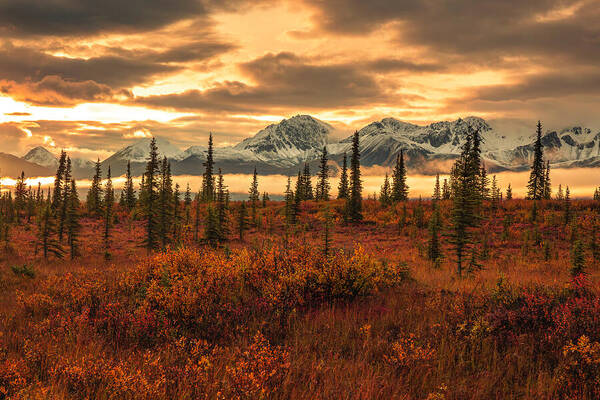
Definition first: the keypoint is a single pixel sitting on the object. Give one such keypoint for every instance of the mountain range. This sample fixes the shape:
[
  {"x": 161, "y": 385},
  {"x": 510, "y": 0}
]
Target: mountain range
[{"x": 284, "y": 147}]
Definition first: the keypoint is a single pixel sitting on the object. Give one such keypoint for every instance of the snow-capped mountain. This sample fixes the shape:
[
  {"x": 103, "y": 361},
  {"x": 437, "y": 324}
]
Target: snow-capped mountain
[
  {"x": 297, "y": 137},
  {"x": 40, "y": 156},
  {"x": 284, "y": 147},
  {"x": 138, "y": 151}
]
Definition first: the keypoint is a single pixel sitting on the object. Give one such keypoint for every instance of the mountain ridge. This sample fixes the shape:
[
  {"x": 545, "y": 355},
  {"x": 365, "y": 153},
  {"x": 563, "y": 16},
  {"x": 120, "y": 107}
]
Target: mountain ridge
[{"x": 281, "y": 148}]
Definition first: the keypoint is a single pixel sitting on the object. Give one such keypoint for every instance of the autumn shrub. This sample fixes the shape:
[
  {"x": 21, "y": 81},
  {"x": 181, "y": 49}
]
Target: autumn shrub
[
  {"x": 579, "y": 373},
  {"x": 211, "y": 294},
  {"x": 258, "y": 372}
]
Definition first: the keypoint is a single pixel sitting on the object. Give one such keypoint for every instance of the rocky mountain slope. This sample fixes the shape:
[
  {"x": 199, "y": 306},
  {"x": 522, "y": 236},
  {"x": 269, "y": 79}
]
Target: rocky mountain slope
[{"x": 283, "y": 147}]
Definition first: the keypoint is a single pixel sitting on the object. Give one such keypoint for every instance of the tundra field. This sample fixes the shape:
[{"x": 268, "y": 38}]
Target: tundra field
[{"x": 318, "y": 309}]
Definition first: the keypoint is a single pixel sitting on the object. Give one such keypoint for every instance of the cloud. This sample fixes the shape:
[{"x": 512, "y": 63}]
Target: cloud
[
  {"x": 543, "y": 85},
  {"x": 283, "y": 81},
  {"x": 52, "y": 90},
  {"x": 31, "y": 75},
  {"x": 87, "y": 17},
  {"x": 472, "y": 28}
]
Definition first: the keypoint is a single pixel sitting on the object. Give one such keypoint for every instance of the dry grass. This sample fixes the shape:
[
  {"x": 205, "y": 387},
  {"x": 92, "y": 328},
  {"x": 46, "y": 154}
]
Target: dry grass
[{"x": 88, "y": 329}]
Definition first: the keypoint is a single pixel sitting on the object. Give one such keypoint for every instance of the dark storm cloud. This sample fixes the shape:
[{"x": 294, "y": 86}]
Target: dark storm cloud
[
  {"x": 88, "y": 17},
  {"x": 33, "y": 76},
  {"x": 75, "y": 17},
  {"x": 543, "y": 85},
  {"x": 285, "y": 80},
  {"x": 473, "y": 28}
]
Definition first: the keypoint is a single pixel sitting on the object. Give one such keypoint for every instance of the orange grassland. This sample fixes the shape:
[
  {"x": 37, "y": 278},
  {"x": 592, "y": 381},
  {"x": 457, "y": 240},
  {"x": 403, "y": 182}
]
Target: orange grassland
[{"x": 272, "y": 317}]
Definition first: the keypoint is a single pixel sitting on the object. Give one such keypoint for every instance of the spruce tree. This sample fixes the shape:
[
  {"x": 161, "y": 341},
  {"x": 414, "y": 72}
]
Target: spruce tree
[
  {"x": 509, "y": 194},
  {"x": 434, "y": 248},
  {"x": 577, "y": 259},
  {"x": 290, "y": 210},
  {"x": 72, "y": 221},
  {"x": 187, "y": 204},
  {"x": 559, "y": 194},
  {"x": 57, "y": 196},
  {"x": 197, "y": 217},
  {"x": 343, "y": 189},
  {"x": 399, "y": 186},
  {"x": 151, "y": 194},
  {"x": 64, "y": 203},
  {"x": 354, "y": 202},
  {"x": 567, "y": 207},
  {"x": 323, "y": 186},
  {"x": 306, "y": 181},
  {"x": 208, "y": 180},
  {"x": 177, "y": 217},
  {"x": 535, "y": 187},
  {"x": 242, "y": 220},
  {"x": 254, "y": 196},
  {"x": 20, "y": 196},
  {"x": 445, "y": 190},
  {"x": 47, "y": 233},
  {"x": 547, "y": 183},
  {"x": 384, "y": 196},
  {"x": 109, "y": 200},
  {"x": 129, "y": 195},
  {"x": 466, "y": 197},
  {"x": 437, "y": 194},
  {"x": 94, "y": 196},
  {"x": 484, "y": 183},
  {"x": 222, "y": 208},
  {"x": 212, "y": 233}
]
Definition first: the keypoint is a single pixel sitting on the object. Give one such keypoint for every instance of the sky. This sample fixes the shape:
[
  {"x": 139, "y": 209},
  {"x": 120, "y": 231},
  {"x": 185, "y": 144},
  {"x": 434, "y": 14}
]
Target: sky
[{"x": 91, "y": 77}]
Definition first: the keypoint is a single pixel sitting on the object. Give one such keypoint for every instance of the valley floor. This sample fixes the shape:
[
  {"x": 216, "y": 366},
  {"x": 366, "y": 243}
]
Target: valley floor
[{"x": 273, "y": 317}]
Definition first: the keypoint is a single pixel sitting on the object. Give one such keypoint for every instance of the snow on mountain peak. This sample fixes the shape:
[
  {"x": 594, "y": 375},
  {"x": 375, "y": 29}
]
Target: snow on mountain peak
[
  {"x": 289, "y": 138},
  {"x": 41, "y": 156},
  {"x": 138, "y": 151}
]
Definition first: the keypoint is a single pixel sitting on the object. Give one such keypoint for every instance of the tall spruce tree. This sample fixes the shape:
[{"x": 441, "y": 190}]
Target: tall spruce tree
[
  {"x": 567, "y": 207},
  {"x": 354, "y": 202},
  {"x": 306, "y": 181},
  {"x": 547, "y": 183},
  {"x": 399, "y": 186},
  {"x": 509, "y": 194},
  {"x": 254, "y": 196},
  {"x": 535, "y": 187},
  {"x": 177, "y": 216},
  {"x": 73, "y": 226},
  {"x": 64, "y": 203},
  {"x": 47, "y": 233},
  {"x": 94, "y": 195},
  {"x": 437, "y": 194},
  {"x": 187, "y": 204},
  {"x": 445, "y": 190},
  {"x": 290, "y": 210},
  {"x": 385, "y": 194},
  {"x": 242, "y": 220},
  {"x": 323, "y": 178},
  {"x": 222, "y": 208},
  {"x": 109, "y": 200},
  {"x": 343, "y": 189},
  {"x": 466, "y": 197},
  {"x": 208, "y": 181},
  {"x": 129, "y": 195},
  {"x": 59, "y": 183},
  {"x": 484, "y": 183},
  {"x": 20, "y": 196},
  {"x": 151, "y": 197}
]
